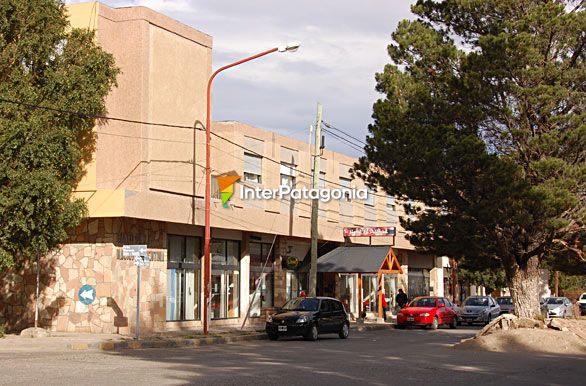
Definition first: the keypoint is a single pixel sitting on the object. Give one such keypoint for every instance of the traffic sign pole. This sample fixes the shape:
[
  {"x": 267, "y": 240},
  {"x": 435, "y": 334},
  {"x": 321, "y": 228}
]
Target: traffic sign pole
[{"x": 137, "y": 302}]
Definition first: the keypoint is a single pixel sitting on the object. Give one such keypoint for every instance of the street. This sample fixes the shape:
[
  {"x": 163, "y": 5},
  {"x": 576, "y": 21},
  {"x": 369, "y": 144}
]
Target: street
[{"x": 384, "y": 357}]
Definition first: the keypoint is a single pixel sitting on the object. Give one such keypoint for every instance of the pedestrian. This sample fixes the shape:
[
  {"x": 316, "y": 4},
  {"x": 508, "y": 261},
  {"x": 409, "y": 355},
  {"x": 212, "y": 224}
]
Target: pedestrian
[
  {"x": 384, "y": 304},
  {"x": 401, "y": 298}
]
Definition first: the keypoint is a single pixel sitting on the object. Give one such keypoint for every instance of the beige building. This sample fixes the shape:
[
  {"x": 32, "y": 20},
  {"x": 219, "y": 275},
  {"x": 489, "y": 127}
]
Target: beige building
[{"x": 146, "y": 186}]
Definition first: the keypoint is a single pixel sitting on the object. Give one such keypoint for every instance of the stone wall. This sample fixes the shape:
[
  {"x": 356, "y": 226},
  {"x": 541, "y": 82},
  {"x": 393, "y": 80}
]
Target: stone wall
[{"x": 93, "y": 256}]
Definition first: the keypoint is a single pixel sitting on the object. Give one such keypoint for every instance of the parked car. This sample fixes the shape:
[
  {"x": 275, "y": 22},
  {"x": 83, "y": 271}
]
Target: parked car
[
  {"x": 428, "y": 311},
  {"x": 456, "y": 309},
  {"x": 309, "y": 317},
  {"x": 582, "y": 303},
  {"x": 480, "y": 309},
  {"x": 506, "y": 304},
  {"x": 559, "y": 306}
]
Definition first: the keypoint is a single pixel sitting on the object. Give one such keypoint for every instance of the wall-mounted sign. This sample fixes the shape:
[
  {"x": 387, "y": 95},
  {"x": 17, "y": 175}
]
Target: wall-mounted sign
[
  {"x": 292, "y": 262},
  {"x": 369, "y": 231},
  {"x": 87, "y": 294}
]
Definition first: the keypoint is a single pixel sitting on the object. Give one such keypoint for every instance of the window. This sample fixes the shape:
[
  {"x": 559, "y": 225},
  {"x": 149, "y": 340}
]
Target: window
[
  {"x": 261, "y": 277},
  {"x": 345, "y": 187},
  {"x": 391, "y": 210},
  {"x": 295, "y": 282},
  {"x": 252, "y": 168},
  {"x": 183, "y": 277},
  {"x": 225, "y": 301},
  {"x": 288, "y": 173},
  {"x": 369, "y": 197}
]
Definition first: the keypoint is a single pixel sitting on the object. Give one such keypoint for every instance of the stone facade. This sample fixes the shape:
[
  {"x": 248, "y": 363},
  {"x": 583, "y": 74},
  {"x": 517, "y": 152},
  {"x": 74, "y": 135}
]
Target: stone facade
[{"x": 94, "y": 257}]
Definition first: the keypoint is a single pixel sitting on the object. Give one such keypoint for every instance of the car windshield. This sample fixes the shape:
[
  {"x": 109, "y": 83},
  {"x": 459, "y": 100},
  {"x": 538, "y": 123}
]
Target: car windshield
[
  {"x": 422, "y": 302},
  {"x": 504, "y": 301},
  {"x": 555, "y": 301},
  {"x": 583, "y": 297},
  {"x": 302, "y": 304},
  {"x": 478, "y": 302}
]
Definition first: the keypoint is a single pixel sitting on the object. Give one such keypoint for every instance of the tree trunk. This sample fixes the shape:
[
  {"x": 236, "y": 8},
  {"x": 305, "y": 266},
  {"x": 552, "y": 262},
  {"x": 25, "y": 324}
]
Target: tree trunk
[{"x": 524, "y": 286}]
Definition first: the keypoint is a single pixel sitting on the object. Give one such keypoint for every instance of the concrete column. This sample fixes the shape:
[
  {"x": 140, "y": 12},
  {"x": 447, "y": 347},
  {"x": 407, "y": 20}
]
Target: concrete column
[{"x": 244, "y": 275}]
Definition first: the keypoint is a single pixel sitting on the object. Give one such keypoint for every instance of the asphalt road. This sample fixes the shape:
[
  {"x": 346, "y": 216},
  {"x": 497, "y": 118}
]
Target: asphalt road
[{"x": 387, "y": 357}]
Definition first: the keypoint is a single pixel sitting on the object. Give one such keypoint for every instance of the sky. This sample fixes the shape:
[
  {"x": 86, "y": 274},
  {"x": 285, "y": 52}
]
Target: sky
[{"x": 343, "y": 45}]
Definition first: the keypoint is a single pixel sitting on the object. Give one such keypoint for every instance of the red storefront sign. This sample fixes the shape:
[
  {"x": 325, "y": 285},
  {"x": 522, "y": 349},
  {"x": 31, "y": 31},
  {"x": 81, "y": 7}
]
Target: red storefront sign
[{"x": 369, "y": 231}]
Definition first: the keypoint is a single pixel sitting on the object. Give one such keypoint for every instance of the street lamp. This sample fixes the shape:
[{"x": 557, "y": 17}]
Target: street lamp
[{"x": 291, "y": 47}]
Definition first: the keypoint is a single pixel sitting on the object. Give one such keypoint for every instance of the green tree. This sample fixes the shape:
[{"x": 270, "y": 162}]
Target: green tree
[
  {"x": 42, "y": 152},
  {"x": 483, "y": 124}
]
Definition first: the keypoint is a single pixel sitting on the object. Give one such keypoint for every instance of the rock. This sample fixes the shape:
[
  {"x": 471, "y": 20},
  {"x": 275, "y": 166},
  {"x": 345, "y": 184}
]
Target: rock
[
  {"x": 33, "y": 332},
  {"x": 556, "y": 324}
]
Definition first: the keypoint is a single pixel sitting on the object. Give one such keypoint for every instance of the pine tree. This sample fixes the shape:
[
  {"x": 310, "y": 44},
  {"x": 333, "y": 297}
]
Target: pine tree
[
  {"x": 483, "y": 123},
  {"x": 43, "y": 62}
]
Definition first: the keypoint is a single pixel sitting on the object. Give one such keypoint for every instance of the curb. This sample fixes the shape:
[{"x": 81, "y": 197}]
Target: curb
[
  {"x": 179, "y": 342},
  {"x": 161, "y": 343},
  {"x": 372, "y": 327}
]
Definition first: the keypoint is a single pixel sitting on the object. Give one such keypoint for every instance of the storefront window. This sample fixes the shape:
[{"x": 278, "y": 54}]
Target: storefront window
[
  {"x": 348, "y": 293},
  {"x": 369, "y": 293},
  {"x": 261, "y": 277},
  {"x": 183, "y": 277},
  {"x": 391, "y": 282},
  {"x": 295, "y": 283},
  {"x": 418, "y": 282},
  {"x": 225, "y": 301}
]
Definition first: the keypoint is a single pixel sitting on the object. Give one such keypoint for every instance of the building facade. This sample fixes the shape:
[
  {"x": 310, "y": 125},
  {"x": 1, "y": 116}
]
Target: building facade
[{"x": 146, "y": 186}]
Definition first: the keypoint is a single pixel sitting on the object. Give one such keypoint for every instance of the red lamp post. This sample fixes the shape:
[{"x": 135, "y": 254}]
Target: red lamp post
[{"x": 291, "y": 47}]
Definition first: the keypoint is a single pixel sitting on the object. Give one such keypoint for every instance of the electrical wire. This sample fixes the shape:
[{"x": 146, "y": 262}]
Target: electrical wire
[
  {"x": 344, "y": 140},
  {"x": 109, "y": 118},
  {"x": 330, "y": 126}
]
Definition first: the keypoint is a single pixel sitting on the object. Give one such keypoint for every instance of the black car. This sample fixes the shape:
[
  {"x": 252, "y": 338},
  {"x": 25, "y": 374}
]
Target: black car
[{"x": 309, "y": 317}]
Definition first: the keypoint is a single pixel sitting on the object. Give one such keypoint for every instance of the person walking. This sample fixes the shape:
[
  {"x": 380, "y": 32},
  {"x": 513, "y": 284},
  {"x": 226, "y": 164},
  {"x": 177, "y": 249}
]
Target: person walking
[{"x": 401, "y": 298}]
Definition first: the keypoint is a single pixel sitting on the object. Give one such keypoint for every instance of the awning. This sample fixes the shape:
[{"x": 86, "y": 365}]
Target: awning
[{"x": 360, "y": 259}]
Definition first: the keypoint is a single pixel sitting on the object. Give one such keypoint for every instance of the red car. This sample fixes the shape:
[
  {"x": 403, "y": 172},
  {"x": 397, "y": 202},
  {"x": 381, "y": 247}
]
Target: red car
[{"x": 427, "y": 311}]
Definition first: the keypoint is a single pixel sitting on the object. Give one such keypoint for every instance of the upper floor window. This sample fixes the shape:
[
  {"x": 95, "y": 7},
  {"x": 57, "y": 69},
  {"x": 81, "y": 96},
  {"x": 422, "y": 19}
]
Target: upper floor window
[
  {"x": 252, "y": 168},
  {"x": 288, "y": 174},
  {"x": 369, "y": 197},
  {"x": 345, "y": 187}
]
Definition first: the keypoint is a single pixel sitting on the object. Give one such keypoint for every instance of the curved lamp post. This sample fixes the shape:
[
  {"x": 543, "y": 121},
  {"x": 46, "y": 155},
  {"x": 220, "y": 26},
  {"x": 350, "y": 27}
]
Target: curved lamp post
[{"x": 291, "y": 47}]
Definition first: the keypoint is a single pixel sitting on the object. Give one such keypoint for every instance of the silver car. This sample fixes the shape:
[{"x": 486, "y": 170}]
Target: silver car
[
  {"x": 506, "y": 304},
  {"x": 479, "y": 309},
  {"x": 559, "y": 306}
]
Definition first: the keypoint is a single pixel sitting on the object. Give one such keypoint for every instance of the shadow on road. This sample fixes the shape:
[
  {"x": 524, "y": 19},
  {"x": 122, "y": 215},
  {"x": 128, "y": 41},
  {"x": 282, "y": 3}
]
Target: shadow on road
[{"x": 369, "y": 358}]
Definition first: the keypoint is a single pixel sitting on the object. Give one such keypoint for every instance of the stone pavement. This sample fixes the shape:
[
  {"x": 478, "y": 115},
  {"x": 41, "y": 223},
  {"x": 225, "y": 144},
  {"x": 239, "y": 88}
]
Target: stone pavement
[{"x": 172, "y": 339}]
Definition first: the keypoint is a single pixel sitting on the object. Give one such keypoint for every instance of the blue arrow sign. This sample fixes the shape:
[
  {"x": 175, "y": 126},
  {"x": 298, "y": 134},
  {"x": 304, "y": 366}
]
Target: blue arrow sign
[{"x": 87, "y": 294}]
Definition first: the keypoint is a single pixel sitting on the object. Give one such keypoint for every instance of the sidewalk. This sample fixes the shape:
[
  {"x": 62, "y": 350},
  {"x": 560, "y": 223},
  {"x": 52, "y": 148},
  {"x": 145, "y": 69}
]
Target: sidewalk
[{"x": 108, "y": 342}]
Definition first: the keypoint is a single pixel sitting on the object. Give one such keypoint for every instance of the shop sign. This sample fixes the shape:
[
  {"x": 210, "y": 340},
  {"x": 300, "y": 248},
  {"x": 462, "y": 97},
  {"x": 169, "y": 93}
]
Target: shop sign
[
  {"x": 292, "y": 262},
  {"x": 369, "y": 231}
]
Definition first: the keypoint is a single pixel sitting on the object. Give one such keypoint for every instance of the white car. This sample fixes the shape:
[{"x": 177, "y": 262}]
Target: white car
[
  {"x": 559, "y": 306},
  {"x": 582, "y": 303}
]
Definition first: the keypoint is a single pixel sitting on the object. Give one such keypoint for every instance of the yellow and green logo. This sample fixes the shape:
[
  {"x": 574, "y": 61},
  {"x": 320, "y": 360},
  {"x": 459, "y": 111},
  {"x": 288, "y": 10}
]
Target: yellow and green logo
[{"x": 226, "y": 186}]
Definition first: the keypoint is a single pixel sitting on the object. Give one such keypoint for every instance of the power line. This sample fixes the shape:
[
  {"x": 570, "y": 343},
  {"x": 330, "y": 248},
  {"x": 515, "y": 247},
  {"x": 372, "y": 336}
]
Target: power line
[
  {"x": 344, "y": 140},
  {"x": 330, "y": 126},
  {"x": 83, "y": 115}
]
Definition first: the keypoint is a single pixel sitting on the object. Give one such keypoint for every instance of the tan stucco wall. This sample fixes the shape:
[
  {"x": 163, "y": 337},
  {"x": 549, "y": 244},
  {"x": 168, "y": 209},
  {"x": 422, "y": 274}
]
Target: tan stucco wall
[{"x": 148, "y": 172}]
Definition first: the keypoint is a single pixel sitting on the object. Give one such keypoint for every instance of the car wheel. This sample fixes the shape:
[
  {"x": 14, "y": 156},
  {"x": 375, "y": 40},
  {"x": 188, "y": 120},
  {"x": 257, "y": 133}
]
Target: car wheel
[
  {"x": 454, "y": 323},
  {"x": 400, "y": 326},
  {"x": 344, "y": 331},
  {"x": 435, "y": 324},
  {"x": 273, "y": 336},
  {"x": 311, "y": 334}
]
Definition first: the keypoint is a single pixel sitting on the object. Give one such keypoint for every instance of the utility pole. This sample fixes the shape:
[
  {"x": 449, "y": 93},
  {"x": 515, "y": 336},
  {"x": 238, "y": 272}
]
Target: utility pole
[{"x": 315, "y": 203}]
